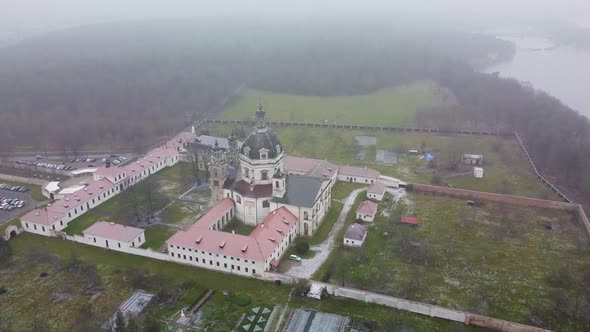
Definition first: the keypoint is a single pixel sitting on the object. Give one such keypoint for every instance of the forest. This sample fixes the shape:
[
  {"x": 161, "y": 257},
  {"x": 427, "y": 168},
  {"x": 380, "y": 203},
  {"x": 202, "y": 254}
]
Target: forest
[{"x": 126, "y": 85}]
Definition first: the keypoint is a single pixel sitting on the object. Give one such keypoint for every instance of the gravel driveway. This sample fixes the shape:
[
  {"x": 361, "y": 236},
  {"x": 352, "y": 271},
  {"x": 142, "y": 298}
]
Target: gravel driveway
[{"x": 307, "y": 267}]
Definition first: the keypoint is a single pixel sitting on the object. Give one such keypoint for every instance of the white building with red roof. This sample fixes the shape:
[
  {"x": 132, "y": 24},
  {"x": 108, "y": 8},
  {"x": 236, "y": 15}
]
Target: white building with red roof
[
  {"x": 114, "y": 236},
  {"x": 358, "y": 174},
  {"x": 205, "y": 245},
  {"x": 57, "y": 215},
  {"x": 108, "y": 182},
  {"x": 366, "y": 211}
]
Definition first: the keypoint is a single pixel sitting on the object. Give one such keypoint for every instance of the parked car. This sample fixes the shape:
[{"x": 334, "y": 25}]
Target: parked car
[{"x": 295, "y": 258}]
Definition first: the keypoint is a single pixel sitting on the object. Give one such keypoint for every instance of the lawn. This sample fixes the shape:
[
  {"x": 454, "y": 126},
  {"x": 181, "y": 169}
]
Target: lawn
[
  {"x": 522, "y": 264},
  {"x": 156, "y": 235},
  {"x": 35, "y": 190},
  {"x": 395, "y": 106},
  {"x": 506, "y": 169},
  {"x": 177, "y": 212},
  {"x": 238, "y": 227},
  {"x": 102, "y": 279},
  {"x": 63, "y": 292},
  {"x": 161, "y": 187}
]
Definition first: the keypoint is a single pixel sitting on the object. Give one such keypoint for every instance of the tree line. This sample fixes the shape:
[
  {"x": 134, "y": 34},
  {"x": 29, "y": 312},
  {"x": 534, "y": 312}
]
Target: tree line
[{"x": 126, "y": 85}]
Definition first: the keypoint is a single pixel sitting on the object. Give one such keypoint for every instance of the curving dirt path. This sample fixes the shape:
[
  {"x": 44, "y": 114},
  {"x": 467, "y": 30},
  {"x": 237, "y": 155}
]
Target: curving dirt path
[{"x": 307, "y": 267}]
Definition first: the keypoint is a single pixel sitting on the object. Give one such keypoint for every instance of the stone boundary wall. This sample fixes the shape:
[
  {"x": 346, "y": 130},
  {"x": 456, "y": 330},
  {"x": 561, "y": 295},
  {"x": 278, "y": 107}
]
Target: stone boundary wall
[
  {"x": 537, "y": 173},
  {"x": 416, "y": 307},
  {"x": 510, "y": 199},
  {"x": 357, "y": 126},
  {"x": 134, "y": 251}
]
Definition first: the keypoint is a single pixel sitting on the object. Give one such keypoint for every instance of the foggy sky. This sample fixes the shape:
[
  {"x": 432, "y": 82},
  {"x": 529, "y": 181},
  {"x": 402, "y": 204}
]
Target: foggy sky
[{"x": 30, "y": 16}]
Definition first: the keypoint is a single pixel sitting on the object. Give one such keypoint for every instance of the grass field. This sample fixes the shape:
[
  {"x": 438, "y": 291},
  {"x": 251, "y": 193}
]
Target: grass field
[
  {"x": 392, "y": 106},
  {"x": 523, "y": 264},
  {"x": 506, "y": 169},
  {"x": 102, "y": 279},
  {"x": 238, "y": 227}
]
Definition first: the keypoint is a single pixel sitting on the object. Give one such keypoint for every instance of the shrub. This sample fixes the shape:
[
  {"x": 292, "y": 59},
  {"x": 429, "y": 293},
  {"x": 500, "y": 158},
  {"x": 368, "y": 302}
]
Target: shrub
[
  {"x": 409, "y": 187},
  {"x": 301, "y": 288},
  {"x": 302, "y": 247},
  {"x": 243, "y": 300},
  {"x": 436, "y": 179}
]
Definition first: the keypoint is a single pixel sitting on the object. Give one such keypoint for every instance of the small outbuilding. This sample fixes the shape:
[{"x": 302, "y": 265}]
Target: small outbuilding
[
  {"x": 472, "y": 159},
  {"x": 376, "y": 191},
  {"x": 114, "y": 236},
  {"x": 355, "y": 235},
  {"x": 478, "y": 172},
  {"x": 410, "y": 220},
  {"x": 366, "y": 211}
]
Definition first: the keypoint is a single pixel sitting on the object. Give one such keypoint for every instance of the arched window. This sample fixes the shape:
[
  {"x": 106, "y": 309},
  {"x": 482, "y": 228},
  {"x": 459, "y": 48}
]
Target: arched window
[
  {"x": 277, "y": 184},
  {"x": 264, "y": 175},
  {"x": 305, "y": 215},
  {"x": 238, "y": 199}
]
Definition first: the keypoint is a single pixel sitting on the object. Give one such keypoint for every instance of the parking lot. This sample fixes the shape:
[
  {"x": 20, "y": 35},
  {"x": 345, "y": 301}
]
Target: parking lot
[
  {"x": 60, "y": 164},
  {"x": 14, "y": 200}
]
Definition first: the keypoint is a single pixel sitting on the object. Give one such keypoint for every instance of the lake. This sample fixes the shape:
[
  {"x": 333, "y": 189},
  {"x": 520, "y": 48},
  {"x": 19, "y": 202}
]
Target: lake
[{"x": 561, "y": 71}]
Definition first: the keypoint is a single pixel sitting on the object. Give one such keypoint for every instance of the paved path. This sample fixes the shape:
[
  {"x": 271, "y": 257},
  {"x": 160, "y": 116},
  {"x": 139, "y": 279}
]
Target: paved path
[
  {"x": 307, "y": 267},
  {"x": 22, "y": 179}
]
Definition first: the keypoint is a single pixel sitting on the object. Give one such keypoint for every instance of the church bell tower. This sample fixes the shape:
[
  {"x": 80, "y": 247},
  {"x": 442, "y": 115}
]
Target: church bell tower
[{"x": 217, "y": 172}]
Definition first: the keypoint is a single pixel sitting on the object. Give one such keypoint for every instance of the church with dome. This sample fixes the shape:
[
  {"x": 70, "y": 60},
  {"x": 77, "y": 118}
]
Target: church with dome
[{"x": 259, "y": 177}]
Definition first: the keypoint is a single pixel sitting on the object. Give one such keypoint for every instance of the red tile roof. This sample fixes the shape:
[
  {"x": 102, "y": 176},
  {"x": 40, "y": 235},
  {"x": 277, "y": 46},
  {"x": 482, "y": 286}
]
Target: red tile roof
[
  {"x": 59, "y": 208},
  {"x": 410, "y": 220},
  {"x": 358, "y": 171},
  {"x": 275, "y": 226},
  {"x": 113, "y": 231},
  {"x": 259, "y": 245},
  {"x": 377, "y": 188},
  {"x": 216, "y": 212},
  {"x": 41, "y": 217},
  {"x": 109, "y": 171},
  {"x": 309, "y": 166},
  {"x": 259, "y": 190},
  {"x": 367, "y": 208}
]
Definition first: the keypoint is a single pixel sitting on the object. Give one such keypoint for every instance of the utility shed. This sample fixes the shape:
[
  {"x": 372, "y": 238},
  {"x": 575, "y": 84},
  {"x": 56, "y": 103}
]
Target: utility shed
[
  {"x": 366, "y": 211},
  {"x": 114, "y": 236},
  {"x": 472, "y": 159},
  {"x": 355, "y": 235},
  {"x": 478, "y": 172}
]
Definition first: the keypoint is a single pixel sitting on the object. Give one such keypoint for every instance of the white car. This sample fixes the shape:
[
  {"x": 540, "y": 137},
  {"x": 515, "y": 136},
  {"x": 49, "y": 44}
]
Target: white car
[{"x": 295, "y": 258}]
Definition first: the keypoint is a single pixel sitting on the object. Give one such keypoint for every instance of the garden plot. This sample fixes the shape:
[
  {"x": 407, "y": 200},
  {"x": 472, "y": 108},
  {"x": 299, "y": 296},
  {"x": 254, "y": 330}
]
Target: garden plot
[
  {"x": 134, "y": 305},
  {"x": 385, "y": 157},
  {"x": 302, "y": 320},
  {"x": 255, "y": 319}
]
